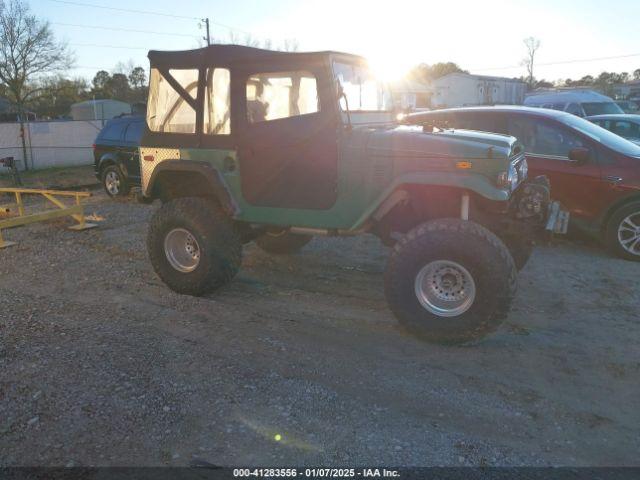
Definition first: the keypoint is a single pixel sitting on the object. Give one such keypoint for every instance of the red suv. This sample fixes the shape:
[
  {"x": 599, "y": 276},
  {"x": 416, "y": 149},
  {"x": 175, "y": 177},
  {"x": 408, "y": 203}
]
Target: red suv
[{"x": 593, "y": 172}]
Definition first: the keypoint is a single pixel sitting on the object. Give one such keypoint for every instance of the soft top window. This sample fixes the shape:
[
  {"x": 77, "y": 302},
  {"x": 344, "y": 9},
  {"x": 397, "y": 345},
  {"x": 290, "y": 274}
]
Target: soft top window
[
  {"x": 275, "y": 95},
  {"x": 167, "y": 111}
]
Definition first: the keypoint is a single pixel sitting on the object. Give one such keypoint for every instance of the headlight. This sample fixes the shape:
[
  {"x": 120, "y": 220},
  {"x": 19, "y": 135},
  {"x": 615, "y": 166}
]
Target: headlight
[
  {"x": 509, "y": 178},
  {"x": 523, "y": 169}
]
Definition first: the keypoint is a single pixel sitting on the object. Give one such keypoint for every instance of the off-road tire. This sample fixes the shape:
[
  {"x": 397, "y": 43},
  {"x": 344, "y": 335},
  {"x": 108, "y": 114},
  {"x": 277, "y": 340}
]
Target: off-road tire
[
  {"x": 219, "y": 245},
  {"x": 520, "y": 249},
  {"x": 282, "y": 243},
  {"x": 611, "y": 232},
  {"x": 470, "y": 245},
  {"x": 123, "y": 188}
]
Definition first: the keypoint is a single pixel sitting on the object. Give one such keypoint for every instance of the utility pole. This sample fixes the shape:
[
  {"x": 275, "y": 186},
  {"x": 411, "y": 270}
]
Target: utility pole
[{"x": 206, "y": 24}]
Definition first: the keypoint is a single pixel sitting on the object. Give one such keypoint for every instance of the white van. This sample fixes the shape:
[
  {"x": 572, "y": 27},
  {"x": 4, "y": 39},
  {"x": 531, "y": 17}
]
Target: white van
[{"x": 583, "y": 103}]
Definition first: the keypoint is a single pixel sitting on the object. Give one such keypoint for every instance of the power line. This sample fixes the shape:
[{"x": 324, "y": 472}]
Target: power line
[
  {"x": 127, "y": 10},
  {"x": 561, "y": 62},
  {"x": 149, "y": 12},
  {"x": 118, "y": 29},
  {"x": 107, "y": 46}
]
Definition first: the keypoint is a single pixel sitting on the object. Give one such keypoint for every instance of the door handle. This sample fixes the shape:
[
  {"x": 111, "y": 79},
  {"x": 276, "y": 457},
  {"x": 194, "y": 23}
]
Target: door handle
[{"x": 613, "y": 179}]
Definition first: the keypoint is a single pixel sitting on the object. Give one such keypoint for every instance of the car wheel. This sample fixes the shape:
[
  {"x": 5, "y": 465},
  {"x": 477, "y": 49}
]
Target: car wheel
[
  {"x": 282, "y": 242},
  {"x": 623, "y": 232},
  {"x": 193, "y": 246},
  {"x": 450, "y": 281},
  {"x": 114, "y": 182}
]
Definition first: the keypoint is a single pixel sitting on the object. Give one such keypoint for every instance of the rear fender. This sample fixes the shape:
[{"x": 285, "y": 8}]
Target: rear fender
[{"x": 189, "y": 178}]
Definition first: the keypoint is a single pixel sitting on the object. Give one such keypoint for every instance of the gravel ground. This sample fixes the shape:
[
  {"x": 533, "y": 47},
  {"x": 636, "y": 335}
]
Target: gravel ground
[{"x": 299, "y": 361}]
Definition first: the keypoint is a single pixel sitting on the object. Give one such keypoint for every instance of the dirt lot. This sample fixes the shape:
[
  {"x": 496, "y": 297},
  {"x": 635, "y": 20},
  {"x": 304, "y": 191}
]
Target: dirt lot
[{"x": 100, "y": 364}]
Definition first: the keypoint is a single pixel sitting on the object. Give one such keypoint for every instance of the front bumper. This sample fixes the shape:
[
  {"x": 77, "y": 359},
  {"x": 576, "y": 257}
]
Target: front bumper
[{"x": 533, "y": 214}]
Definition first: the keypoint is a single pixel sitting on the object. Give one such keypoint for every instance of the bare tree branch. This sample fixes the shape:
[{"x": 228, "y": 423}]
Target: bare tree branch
[{"x": 532, "y": 44}]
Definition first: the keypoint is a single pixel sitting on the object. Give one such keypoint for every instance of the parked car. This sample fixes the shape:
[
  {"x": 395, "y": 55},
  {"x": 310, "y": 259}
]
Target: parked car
[
  {"x": 627, "y": 126},
  {"x": 628, "y": 106},
  {"x": 582, "y": 103},
  {"x": 593, "y": 172},
  {"x": 116, "y": 156},
  {"x": 244, "y": 144}
]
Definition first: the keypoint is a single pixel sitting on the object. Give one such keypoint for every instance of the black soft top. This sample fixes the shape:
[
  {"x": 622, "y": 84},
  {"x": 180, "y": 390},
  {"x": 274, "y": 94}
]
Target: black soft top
[{"x": 229, "y": 55}]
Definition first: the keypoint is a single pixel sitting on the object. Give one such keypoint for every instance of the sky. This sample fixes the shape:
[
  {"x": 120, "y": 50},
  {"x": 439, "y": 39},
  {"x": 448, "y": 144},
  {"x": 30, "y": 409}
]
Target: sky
[{"x": 484, "y": 37}]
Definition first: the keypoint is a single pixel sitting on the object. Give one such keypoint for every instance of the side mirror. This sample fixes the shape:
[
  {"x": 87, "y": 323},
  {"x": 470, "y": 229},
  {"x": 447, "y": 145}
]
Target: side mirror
[{"x": 579, "y": 155}]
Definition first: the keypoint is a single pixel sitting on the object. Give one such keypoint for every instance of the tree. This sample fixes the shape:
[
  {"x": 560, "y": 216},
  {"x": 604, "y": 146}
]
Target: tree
[
  {"x": 636, "y": 74},
  {"x": 100, "y": 82},
  {"x": 28, "y": 51},
  {"x": 532, "y": 44},
  {"x": 57, "y": 94},
  {"x": 138, "y": 78},
  {"x": 118, "y": 87},
  {"x": 427, "y": 73}
]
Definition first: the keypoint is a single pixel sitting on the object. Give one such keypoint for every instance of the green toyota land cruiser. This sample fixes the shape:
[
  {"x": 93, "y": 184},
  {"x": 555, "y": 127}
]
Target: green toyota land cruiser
[{"x": 243, "y": 144}]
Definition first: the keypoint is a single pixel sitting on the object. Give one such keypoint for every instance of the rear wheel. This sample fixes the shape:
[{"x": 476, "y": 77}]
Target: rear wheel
[
  {"x": 193, "y": 246},
  {"x": 450, "y": 281},
  {"x": 623, "y": 232},
  {"x": 282, "y": 242},
  {"x": 114, "y": 182}
]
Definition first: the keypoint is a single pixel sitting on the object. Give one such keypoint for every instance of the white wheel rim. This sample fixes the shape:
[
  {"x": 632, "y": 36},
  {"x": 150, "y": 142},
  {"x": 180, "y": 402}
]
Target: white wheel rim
[
  {"x": 445, "y": 288},
  {"x": 112, "y": 182},
  {"x": 182, "y": 250},
  {"x": 629, "y": 233}
]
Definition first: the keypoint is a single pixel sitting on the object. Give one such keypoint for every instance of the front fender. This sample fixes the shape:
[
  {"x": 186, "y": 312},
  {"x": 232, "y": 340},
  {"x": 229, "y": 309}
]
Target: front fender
[{"x": 459, "y": 180}]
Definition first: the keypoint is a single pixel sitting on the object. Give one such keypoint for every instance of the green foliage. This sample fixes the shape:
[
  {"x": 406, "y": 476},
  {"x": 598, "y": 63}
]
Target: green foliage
[
  {"x": 56, "y": 95},
  {"x": 427, "y": 73},
  {"x": 131, "y": 87}
]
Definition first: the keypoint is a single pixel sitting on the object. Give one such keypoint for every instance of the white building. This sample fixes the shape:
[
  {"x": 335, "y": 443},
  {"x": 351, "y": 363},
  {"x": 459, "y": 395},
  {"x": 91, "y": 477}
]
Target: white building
[
  {"x": 411, "y": 94},
  {"x": 99, "y": 109},
  {"x": 463, "y": 89}
]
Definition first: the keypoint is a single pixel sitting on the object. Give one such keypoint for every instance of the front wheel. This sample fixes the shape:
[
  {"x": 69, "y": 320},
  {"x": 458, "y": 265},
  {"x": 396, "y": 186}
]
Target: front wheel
[
  {"x": 450, "y": 281},
  {"x": 193, "y": 246},
  {"x": 623, "y": 232}
]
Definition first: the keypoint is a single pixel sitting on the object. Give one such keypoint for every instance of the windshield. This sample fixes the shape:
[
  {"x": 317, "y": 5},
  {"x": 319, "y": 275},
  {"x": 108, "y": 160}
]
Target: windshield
[
  {"x": 601, "y": 108},
  {"x": 601, "y": 135},
  {"x": 364, "y": 92}
]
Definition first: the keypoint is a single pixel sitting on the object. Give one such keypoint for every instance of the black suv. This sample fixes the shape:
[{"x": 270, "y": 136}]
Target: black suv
[{"x": 115, "y": 154}]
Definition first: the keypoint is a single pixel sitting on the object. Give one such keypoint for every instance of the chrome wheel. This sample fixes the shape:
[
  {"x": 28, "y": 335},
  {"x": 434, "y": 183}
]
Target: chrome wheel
[
  {"x": 445, "y": 288},
  {"x": 629, "y": 233},
  {"x": 182, "y": 250},
  {"x": 112, "y": 182}
]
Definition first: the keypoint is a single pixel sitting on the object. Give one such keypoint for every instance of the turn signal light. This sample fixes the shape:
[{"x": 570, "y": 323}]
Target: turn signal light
[
  {"x": 464, "y": 165},
  {"x": 148, "y": 158}
]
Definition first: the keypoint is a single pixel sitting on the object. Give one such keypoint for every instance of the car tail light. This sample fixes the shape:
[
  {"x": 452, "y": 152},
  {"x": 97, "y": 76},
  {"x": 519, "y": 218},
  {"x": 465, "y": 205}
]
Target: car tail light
[{"x": 148, "y": 158}]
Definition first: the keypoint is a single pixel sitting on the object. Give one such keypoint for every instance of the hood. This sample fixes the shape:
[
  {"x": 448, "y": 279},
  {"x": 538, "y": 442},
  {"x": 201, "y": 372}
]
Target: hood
[{"x": 452, "y": 144}]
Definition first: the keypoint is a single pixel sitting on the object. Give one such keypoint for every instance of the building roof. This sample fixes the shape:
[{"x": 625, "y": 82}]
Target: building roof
[
  {"x": 480, "y": 77},
  {"x": 102, "y": 101},
  {"x": 566, "y": 96}
]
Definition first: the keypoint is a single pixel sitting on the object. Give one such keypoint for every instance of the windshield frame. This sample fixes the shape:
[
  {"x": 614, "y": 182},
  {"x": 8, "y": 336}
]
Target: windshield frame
[{"x": 360, "y": 62}]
